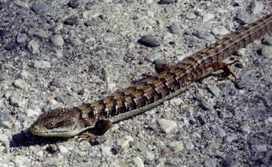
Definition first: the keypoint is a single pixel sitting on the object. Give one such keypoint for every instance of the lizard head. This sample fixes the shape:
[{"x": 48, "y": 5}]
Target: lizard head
[{"x": 61, "y": 122}]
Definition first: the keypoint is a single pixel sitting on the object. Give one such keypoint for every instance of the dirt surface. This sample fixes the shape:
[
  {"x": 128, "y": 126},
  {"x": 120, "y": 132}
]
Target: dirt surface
[{"x": 65, "y": 53}]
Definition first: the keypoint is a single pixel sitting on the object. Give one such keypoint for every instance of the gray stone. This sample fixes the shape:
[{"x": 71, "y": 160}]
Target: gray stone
[
  {"x": 219, "y": 132},
  {"x": 268, "y": 40},
  {"x": 17, "y": 100},
  {"x": 210, "y": 163},
  {"x": 167, "y": 125},
  {"x": 59, "y": 82},
  {"x": 90, "y": 23},
  {"x": 231, "y": 138},
  {"x": 220, "y": 31},
  {"x": 153, "y": 56},
  {"x": 261, "y": 147},
  {"x": 23, "y": 4},
  {"x": 21, "y": 38},
  {"x": 189, "y": 145},
  {"x": 207, "y": 17},
  {"x": 124, "y": 142},
  {"x": 38, "y": 32},
  {"x": 245, "y": 128},
  {"x": 138, "y": 162},
  {"x": 175, "y": 28},
  {"x": 256, "y": 6},
  {"x": 66, "y": 98},
  {"x": 205, "y": 35},
  {"x": 57, "y": 40},
  {"x": 245, "y": 17},
  {"x": 207, "y": 135},
  {"x": 40, "y": 8},
  {"x": 267, "y": 51},
  {"x": 177, "y": 146},
  {"x": 139, "y": 146},
  {"x": 19, "y": 83},
  {"x": 190, "y": 16},
  {"x": 34, "y": 47},
  {"x": 63, "y": 149},
  {"x": 42, "y": 64},
  {"x": 5, "y": 120},
  {"x": 214, "y": 90},
  {"x": 149, "y": 41}
]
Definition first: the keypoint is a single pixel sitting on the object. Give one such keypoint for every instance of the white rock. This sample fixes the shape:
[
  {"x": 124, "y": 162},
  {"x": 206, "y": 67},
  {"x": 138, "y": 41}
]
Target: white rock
[
  {"x": 106, "y": 150},
  {"x": 150, "y": 156},
  {"x": 19, "y": 83},
  {"x": 4, "y": 140},
  {"x": 267, "y": 51},
  {"x": 167, "y": 125},
  {"x": 138, "y": 161},
  {"x": 34, "y": 47},
  {"x": 42, "y": 64},
  {"x": 57, "y": 40},
  {"x": 207, "y": 17},
  {"x": 63, "y": 149},
  {"x": 124, "y": 142},
  {"x": 176, "y": 101},
  {"x": 177, "y": 146},
  {"x": 220, "y": 31}
]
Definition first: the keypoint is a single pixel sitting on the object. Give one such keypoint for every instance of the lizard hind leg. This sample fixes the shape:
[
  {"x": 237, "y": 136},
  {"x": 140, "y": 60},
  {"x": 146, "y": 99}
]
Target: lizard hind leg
[{"x": 227, "y": 72}]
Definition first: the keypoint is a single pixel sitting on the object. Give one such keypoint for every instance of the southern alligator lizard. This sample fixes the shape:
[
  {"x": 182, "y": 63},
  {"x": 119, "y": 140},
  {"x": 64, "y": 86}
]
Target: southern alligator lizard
[{"x": 152, "y": 91}]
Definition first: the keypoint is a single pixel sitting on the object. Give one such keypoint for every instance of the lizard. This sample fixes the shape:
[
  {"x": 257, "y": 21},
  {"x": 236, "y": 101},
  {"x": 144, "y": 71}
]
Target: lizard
[{"x": 97, "y": 117}]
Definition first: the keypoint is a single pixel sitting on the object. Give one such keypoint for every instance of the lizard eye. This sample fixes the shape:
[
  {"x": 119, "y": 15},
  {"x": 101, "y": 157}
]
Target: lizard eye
[{"x": 51, "y": 125}]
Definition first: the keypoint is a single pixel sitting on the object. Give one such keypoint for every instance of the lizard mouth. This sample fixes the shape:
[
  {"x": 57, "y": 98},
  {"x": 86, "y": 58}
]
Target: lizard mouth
[{"x": 53, "y": 133}]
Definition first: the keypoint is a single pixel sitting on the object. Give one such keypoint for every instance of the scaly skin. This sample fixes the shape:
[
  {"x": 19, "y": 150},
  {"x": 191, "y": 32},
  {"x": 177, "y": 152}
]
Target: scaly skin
[{"x": 142, "y": 96}]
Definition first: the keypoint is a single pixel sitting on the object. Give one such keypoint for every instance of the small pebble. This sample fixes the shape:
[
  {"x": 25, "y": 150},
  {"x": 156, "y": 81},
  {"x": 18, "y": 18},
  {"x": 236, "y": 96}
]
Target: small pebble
[
  {"x": 220, "y": 31},
  {"x": 167, "y": 1},
  {"x": 219, "y": 132},
  {"x": 124, "y": 142},
  {"x": 256, "y": 7},
  {"x": 73, "y": 20},
  {"x": 40, "y": 8},
  {"x": 154, "y": 56},
  {"x": 167, "y": 125},
  {"x": 149, "y": 41},
  {"x": 210, "y": 163},
  {"x": 267, "y": 51},
  {"x": 205, "y": 35},
  {"x": 90, "y": 23},
  {"x": 4, "y": 139},
  {"x": 138, "y": 161},
  {"x": 207, "y": 17},
  {"x": 268, "y": 40},
  {"x": 38, "y": 32},
  {"x": 42, "y": 64},
  {"x": 73, "y": 4},
  {"x": 19, "y": 83},
  {"x": 17, "y": 100},
  {"x": 190, "y": 146},
  {"x": 63, "y": 149},
  {"x": 57, "y": 40},
  {"x": 21, "y": 38},
  {"x": 23, "y": 4},
  {"x": 106, "y": 150},
  {"x": 175, "y": 28},
  {"x": 177, "y": 146},
  {"x": 245, "y": 128},
  {"x": 231, "y": 138},
  {"x": 34, "y": 47}
]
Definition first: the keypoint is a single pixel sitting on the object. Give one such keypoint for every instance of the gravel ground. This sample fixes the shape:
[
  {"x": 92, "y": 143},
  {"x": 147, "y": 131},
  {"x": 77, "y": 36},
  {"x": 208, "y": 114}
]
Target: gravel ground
[{"x": 64, "y": 53}]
